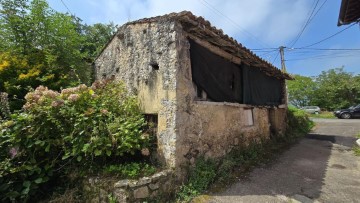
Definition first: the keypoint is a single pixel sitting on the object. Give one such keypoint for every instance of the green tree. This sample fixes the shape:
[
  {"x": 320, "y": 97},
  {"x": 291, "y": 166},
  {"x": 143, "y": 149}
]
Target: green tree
[
  {"x": 301, "y": 90},
  {"x": 337, "y": 89},
  {"x": 95, "y": 38},
  {"x": 43, "y": 47}
]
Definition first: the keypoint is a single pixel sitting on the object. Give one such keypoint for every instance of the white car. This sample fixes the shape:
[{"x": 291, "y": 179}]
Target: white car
[{"x": 311, "y": 109}]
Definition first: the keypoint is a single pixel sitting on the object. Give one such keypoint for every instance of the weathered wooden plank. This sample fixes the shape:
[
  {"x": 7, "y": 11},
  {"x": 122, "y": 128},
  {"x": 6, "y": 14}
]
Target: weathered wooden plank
[{"x": 216, "y": 50}]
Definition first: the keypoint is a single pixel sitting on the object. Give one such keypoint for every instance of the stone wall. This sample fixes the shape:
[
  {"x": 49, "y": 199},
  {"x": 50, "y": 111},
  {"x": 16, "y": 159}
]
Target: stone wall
[
  {"x": 158, "y": 187},
  {"x": 144, "y": 56}
]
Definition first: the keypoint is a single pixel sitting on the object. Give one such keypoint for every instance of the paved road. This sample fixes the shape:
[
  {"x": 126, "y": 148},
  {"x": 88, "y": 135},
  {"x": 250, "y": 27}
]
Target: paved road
[{"x": 320, "y": 168}]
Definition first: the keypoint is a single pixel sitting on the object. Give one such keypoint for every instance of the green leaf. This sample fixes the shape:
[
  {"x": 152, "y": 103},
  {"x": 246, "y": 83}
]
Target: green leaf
[
  {"x": 39, "y": 180},
  {"x": 38, "y": 142},
  {"x": 47, "y": 149},
  {"x": 65, "y": 156},
  {"x": 85, "y": 147},
  {"x": 97, "y": 152},
  {"x": 26, "y": 183},
  {"x": 13, "y": 194},
  {"x": 79, "y": 158},
  {"x": 108, "y": 152},
  {"x": 25, "y": 191}
]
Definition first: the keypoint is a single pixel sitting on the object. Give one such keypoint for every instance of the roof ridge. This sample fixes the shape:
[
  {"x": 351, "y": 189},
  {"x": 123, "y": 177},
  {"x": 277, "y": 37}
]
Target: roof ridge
[{"x": 189, "y": 18}]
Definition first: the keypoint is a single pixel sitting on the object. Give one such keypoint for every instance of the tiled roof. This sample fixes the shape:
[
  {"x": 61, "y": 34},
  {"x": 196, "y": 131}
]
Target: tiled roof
[
  {"x": 349, "y": 12},
  {"x": 202, "y": 28}
]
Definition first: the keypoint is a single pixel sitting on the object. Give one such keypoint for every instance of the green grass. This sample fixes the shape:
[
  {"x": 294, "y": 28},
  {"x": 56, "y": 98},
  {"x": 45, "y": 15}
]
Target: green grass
[
  {"x": 324, "y": 114},
  {"x": 356, "y": 150},
  {"x": 358, "y": 135}
]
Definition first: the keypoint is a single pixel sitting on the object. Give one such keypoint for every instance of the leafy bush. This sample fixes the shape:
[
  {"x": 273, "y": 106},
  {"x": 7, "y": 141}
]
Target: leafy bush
[
  {"x": 130, "y": 170},
  {"x": 82, "y": 127},
  {"x": 200, "y": 177},
  {"x": 298, "y": 122}
]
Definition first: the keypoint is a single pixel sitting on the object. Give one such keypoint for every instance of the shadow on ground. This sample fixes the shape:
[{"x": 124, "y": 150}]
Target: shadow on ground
[{"x": 299, "y": 172}]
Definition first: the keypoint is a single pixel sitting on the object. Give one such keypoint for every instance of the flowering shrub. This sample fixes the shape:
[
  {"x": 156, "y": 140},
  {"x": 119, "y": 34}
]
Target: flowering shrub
[
  {"x": 4, "y": 105},
  {"x": 77, "y": 127}
]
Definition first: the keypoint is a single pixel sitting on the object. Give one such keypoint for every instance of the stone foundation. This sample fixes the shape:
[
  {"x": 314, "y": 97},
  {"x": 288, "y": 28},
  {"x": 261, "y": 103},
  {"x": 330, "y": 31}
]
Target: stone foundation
[{"x": 157, "y": 187}]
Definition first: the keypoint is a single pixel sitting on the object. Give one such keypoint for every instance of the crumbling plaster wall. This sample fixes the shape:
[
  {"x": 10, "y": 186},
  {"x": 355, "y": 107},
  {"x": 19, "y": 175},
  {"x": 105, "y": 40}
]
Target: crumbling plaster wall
[
  {"x": 212, "y": 129},
  {"x": 128, "y": 57}
]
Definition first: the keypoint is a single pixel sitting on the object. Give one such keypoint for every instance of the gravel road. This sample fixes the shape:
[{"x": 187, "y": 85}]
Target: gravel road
[{"x": 320, "y": 168}]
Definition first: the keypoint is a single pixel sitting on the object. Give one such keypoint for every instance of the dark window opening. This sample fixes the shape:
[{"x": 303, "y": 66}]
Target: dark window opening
[
  {"x": 223, "y": 81},
  {"x": 150, "y": 130},
  {"x": 218, "y": 79},
  {"x": 151, "y": 124},
  {"x": 154, "y": 65}
]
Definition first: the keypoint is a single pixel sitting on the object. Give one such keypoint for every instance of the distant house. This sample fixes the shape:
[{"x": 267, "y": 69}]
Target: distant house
[
  {"x": 207, "y": 93},
  {"x": 349, "y": 12}
]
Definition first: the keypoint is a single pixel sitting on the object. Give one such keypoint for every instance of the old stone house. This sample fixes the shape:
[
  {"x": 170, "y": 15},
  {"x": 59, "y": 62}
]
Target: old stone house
[{"x": 206, "y": 92}]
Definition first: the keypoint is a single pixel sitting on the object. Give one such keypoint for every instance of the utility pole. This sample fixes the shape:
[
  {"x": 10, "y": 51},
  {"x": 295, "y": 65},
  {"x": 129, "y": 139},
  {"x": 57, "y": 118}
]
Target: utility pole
[{"x": 283, "y": 68}]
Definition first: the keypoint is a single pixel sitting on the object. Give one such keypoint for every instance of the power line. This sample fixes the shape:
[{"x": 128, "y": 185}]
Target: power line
[
  {"x": 305, "y": 25},
  {"x": 207, "y": 4},
  {"x": 321, "y": 49},
  {"x": 321, "y": 57},
  {"x": 319, "y": 9},
  {"x": 310, "y": 49},
  {"x": 267, "y": 53},
  {"x": 333, "y": 35},
  {"x": 275, "y": 58},
  {"x": 66, "y": 6},
  {"x": 263, "y": 49}
]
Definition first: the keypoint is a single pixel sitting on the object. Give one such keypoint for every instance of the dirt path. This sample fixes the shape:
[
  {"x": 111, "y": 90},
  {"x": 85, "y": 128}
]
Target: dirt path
[{"x": 320, "y": 168}]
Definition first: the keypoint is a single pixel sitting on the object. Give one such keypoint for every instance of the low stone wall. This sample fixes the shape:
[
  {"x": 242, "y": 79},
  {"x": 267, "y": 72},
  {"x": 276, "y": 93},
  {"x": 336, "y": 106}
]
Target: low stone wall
[
  {"x": 213, "y": 129},
  {"x": 157, "y": 187}
]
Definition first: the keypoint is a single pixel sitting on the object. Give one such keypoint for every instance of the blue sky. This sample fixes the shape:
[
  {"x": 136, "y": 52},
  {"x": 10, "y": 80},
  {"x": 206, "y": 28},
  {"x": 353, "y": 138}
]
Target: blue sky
[{"x": 261, "y": 25}]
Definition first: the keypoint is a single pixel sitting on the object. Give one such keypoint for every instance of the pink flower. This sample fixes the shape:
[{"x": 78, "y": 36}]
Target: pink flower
[
  {"x": 57, "y": 103},
  {"x": 73, "y": 97},
  {"x": 82, "y": 87},
  {"x": 28, "y": 106},
  {"x": 41, "y": 88},
  {"x": 13, "y": 152},
  {"x": 98, "y": 85},
  {"x": 104, "y": 111},
  {"x": 32, "y": 97},
  {"x": 145, "y": 151},
  {"x": 50, "y": 94}
]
